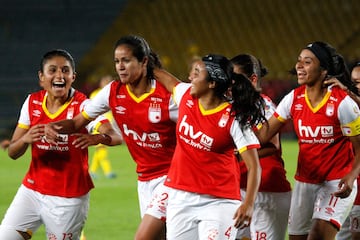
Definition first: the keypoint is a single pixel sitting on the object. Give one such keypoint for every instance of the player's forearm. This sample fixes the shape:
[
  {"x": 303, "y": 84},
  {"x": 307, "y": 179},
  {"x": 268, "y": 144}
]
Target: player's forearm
[
  {"x": 253, "y": 176},
  {"x": 17, "y": 149}
]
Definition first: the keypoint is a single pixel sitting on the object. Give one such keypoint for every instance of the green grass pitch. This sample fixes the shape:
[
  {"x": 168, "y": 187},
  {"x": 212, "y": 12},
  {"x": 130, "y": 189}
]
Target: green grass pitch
[{"x": 114, "y": 212}]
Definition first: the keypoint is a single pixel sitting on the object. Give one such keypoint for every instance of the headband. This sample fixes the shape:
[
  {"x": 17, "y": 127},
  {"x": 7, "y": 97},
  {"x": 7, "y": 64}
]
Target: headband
[
  {"x": 322, "y": 54},
  {"x": 213, "y": 67}
]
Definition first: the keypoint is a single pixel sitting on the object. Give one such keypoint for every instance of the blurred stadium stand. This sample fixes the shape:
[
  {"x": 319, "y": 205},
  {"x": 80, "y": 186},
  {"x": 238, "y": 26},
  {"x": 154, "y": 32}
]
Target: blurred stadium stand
[
  {"x": 28, "y": 29},
  {"x": 275, "y": 31}
]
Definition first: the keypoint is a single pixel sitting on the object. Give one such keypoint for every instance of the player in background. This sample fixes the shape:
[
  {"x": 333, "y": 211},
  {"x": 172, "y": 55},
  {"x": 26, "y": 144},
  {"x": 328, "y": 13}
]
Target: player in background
[
  {"x": 272, "y": 202},
  {"x": 55, "y": 190},
  {"x": 351, "y": 228},
  {"x": 327, "y": 123},
  {"x": 146, "y": 116},
  {"x": 203, "y": 180},
  {"x": 100, "y": 157}
]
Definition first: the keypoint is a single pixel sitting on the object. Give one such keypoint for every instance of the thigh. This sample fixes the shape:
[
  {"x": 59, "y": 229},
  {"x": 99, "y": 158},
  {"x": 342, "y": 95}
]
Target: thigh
[
  {"x": 330, "y": 208},
  {"x": 158, "y": 204},
  {"x": 344, "y": 233},
  {"x": 23, "y": 213},
  {"x": 355, "y": 219},
  {"x": 64, "y": 218},
  {"x": 181, "y": 215},
  {"x": 303, "y": 197},
  {"x": 216, "y": 218},
  {"x": 146, "y": 191},
  {"x": 270, "y": 216}
]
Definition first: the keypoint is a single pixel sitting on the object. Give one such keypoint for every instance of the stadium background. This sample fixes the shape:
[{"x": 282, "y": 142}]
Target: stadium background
[{"x": 274, "y": 31}]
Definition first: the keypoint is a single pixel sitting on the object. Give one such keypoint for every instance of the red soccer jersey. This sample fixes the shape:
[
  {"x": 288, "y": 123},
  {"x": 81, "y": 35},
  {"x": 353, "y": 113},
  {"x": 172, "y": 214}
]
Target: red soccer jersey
[
  {"x": 325, "y": 153},
  {"x": 273, "y": 174},
  {"x": 147, "y": 124},
  {"x": 204, "y": 159},
  {"x": 58, "y": 170}
]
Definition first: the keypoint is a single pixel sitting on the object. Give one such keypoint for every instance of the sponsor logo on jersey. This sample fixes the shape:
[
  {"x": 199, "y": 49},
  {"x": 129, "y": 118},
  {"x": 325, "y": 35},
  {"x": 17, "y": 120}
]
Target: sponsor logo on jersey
[
  {"x": 189, "y": 103},
  {"x": 196, "y": 139},
  {"x": 156, "y": 99},
  {"x": 120, "y": 109},
  {"x": 298, "y": 107},
  {"x": 36, "y": 113},
  {"x": 36, "y": 102},
  {"x": 318, "y": 131},
  {"x": 120, "y": 96},
  {"x": 150, "y": 140}
]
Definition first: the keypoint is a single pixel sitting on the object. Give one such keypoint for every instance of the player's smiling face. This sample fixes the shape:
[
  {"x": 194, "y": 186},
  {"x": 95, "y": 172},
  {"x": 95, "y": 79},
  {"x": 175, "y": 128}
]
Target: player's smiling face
[
  {"x": 57, "y": 77},
  {"x": 129, "y": 69},
  {"x": 308, "y": 68}
]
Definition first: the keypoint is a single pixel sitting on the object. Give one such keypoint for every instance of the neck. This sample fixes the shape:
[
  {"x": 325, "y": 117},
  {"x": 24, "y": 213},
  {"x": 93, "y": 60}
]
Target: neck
[
  {"x": 210, "y": 102},
  {"x": 140, "y": 87}
]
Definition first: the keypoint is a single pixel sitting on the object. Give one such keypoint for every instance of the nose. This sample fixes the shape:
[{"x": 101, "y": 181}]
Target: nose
[
  {"x": 298, "y": 65},
  {"x": 120, "y": 65},
  {"x": 59, "y": 74}
]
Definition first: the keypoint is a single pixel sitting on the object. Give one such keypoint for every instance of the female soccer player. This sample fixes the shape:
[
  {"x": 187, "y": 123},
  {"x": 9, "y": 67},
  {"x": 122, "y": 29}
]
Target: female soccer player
[
  {"x": 146, "y": 115},
  {"x": 203, "y": 180},
  {"x": 351, "y": 228},
  {"x": 55, "y": 190},
  {"x": 272, "y": 203},
  {"x": 327, "y": 124}
]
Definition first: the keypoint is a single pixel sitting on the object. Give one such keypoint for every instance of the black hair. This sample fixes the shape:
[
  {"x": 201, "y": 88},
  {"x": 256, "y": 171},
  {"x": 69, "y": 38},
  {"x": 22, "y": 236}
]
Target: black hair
[
  {"x": 250, "y": 65},
  {"x": 333, "y": 62},
  {"x": 57, "y": 52},
  {"x": 141, "y": 49},
  {"x": 248, "y": 106},
  {"x": 219, "y": 69},
  {"x": 247, "y": 103}
]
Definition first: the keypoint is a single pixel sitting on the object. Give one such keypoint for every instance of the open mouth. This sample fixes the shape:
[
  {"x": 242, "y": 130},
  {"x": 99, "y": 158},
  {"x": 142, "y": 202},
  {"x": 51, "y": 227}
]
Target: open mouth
[{"x": 58, "y": 84}]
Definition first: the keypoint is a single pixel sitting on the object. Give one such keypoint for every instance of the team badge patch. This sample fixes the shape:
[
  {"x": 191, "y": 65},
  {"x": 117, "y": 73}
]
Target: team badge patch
[
  {"x": 223, "y": 120},
  {"x": 70, "y": 113},
  {"x": 330, "y": 109},
  {"x": 154, "y": 113}
]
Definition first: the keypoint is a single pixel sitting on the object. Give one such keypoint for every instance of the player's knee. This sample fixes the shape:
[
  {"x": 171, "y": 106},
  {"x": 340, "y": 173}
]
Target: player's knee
[{"x": 12, "y": 234}]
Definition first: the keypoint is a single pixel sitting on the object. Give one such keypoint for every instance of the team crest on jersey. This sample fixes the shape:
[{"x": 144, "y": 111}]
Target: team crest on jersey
[
  {"x": 154, "y": 113},
  {"x": 224, "y": 119},
  {"x": 70, "y": 113},
  {"x": 330, "y": 109}
]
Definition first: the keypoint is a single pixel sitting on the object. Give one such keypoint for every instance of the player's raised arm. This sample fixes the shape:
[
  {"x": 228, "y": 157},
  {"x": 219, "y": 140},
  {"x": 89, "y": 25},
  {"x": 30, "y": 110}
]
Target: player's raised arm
[{"x": 166, "y": 79}]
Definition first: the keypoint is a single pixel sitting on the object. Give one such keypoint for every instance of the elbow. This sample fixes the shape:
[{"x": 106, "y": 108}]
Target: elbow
[
  {"x": 14, "y": 153},
  {"x": 13, "y": 156}
]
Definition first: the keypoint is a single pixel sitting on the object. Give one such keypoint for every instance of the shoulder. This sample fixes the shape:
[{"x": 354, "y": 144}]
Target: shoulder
[
  {"x": 80, "y": 96},
  {"x": 337, "y": 91},
  {"x": 38, "y": 94}
]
